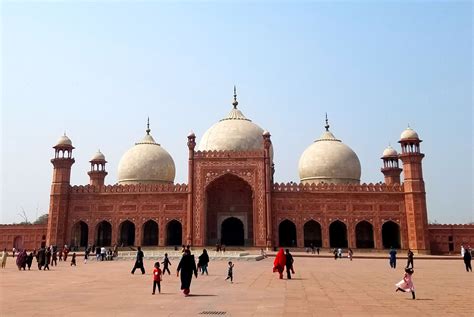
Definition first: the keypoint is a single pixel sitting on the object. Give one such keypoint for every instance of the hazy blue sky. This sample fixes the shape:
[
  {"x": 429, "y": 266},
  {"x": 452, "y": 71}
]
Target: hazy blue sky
[{"x": 97, "y": 70}]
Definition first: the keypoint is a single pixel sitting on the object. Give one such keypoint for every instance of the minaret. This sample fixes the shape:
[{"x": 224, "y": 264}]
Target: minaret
[
  {"x": 97, "y": 173},
  {"x": 59, "y": 197},
  {"x": 391, "y": 170},
  {"x": 415, "y": 195},
  {"x": 190, "y": 211}
]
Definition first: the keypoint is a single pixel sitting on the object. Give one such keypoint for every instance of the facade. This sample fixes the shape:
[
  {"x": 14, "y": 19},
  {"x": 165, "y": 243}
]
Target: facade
[{"x": 231, "y": 198}]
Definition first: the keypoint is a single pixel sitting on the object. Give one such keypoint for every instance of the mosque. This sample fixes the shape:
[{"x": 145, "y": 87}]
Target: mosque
[{"x": 231, "y": 198}]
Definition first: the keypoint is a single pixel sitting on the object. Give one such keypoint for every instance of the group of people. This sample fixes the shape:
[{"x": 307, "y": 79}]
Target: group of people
[
  {"x": 45, "y": 256},
  {"x": 313, "y": 249},
  {"x": 282, "y": 261},
  {"x": 338, "y": 253}
]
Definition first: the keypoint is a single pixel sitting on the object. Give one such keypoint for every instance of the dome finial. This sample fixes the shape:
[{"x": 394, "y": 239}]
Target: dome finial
[
  {"x": 235, "y": 102},
  {"x": 327, "y": 122},
  {"x": 148, "y": 126}
]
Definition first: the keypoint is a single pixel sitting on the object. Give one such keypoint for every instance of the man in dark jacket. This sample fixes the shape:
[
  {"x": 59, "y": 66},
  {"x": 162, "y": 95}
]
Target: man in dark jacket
[
  {"x": 467, "y": 260},
  {"x": 139, "y": 261},
  {"x": 289, "y": 264}
]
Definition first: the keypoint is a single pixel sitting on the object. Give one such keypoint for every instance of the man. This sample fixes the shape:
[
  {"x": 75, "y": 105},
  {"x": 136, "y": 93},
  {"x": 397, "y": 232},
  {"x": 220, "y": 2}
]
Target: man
[
  {"x": 139, "y": 261},
  {"x": 393, "y": 258},
  {"x": 410, "y": 255},
  {"x": 289, "y": 264}
]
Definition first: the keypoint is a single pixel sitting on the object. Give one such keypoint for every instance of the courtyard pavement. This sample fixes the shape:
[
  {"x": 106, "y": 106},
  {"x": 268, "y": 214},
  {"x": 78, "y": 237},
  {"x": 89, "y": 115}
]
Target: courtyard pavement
[{"x": 320, "y": 287}]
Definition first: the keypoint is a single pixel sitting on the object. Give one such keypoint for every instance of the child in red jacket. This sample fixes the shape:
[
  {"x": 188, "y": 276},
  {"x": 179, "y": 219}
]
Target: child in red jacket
[{"x": 156, "y": 278}]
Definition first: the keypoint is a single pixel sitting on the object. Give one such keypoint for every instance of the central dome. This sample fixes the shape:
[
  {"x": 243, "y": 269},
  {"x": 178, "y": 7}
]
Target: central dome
[
  {"x": 233, "y": 133},
  {"x": 328, "y": 160},
  {"x": 146, "y": 162}
]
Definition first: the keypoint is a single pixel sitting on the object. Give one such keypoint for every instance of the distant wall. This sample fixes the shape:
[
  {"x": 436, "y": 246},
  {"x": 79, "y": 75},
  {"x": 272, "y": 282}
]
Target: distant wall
[
  {"x": 447, "y": 239},
  {"x": 22, "y": 236}
]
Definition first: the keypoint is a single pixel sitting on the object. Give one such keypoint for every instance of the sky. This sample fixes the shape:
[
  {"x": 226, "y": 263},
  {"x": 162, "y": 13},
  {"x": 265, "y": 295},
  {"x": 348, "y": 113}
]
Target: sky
[{"x": 97, "y": 69}]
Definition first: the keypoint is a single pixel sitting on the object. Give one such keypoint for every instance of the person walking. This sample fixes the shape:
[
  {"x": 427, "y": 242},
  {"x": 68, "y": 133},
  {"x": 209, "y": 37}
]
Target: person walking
[
  {"x": 156, "y": 278},
  {"x": 393, "y": 258},
  {"x": 21, "y": 260},
  {"x": 73, "y": 259},
  {"x": 54, "y": 259},
  {"x": 203, "y": 262},
  {"x": 410, "y": 256},
  {"x": 29, "y": 260},
  {"x": 230, "y": 272},
  {"x": 97, "y": 253},
  {"x": 166, "y": 262},
  {"x": 139, "y": 261},
  {"x": 350, "y": 253},
  {"x": 467, "y": 260},
  {"x": 289, "y": 264},
  {"x": 406, "y": 284},
  {"x": 279, "y": 263},
  {"x": 47, "y": 259},
  {"x": 65, "y": 252},
  {"x": 187, "y": 267},
  {"x": 41, "y": 258},
  {"x": 4, "y": 257},
  {"x": 86, "y": 254},
  {"x": 103, "y": 253}
]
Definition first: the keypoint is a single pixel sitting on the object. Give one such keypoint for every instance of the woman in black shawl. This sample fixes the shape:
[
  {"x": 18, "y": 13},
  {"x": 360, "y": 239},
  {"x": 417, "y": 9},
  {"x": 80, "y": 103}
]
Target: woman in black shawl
[
  {"x": 203, "y": 262},
  {"x": 187, "y": 266}
]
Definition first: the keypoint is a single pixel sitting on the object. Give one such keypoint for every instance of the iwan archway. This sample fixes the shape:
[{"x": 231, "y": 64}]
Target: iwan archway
[{"x": 229, "y": 211}]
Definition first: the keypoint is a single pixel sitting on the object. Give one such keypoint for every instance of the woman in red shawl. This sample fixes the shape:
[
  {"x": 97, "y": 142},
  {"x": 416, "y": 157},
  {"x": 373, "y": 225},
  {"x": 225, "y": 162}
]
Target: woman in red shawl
[{"x": 279, "y": 263}]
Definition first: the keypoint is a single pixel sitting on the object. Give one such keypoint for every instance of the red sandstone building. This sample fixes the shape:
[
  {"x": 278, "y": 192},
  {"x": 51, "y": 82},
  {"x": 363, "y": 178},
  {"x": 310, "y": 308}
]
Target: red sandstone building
[{"x": 231, "y": 198}]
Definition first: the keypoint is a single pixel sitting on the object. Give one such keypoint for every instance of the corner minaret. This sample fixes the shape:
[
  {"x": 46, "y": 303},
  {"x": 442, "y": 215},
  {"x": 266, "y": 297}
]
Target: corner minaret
[
  {"x": 415, "y": 195},
  {"x": 59, "y": 197},
  {"x": 97, "y": 173},
  {"x": 390, "y": 168}
]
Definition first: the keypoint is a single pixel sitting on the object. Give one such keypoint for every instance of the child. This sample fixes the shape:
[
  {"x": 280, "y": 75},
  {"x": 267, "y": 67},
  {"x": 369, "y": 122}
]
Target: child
[
  {"x": 166, "y": 262},
  {"x": 230, "y": 274},
  {"x": 156, "y": 278},
  {"x": 406, "y": 285},
  {"x": 73, "y": 260}
]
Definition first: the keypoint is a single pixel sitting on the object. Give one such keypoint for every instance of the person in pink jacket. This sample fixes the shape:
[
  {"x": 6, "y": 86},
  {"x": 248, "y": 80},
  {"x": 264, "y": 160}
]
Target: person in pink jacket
[{"x": 406, "y": 285}]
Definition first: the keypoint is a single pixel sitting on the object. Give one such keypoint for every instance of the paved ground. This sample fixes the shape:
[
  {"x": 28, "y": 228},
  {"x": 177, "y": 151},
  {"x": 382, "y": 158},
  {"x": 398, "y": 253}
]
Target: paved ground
[{"x": 321, "y": 287}]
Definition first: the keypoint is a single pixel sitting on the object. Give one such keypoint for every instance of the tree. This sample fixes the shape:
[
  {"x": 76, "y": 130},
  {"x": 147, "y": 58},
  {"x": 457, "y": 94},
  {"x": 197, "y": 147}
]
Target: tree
[{"x": 41, "y": 220}]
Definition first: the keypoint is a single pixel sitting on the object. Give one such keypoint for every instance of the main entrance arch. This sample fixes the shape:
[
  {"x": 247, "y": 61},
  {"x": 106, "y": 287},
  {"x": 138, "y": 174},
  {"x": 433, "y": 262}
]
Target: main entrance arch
[
  {"x": 227, "y": 197},
  {"x": 338, "y": 234},
  {"x": 390, "y": 235},
  {"x": 150, "y": 233},
  {"x": 232, "y": 232},
  {"x": 312, "y": 234},
  {"x": 127, "y": 234},
  {"x": 364, "y": 235},
  {"x": 103, "y": 234},
  {"x": 287, "y": 234},
  {"x": 80, "y": 234},
  {"x": 174, "y": 233}
]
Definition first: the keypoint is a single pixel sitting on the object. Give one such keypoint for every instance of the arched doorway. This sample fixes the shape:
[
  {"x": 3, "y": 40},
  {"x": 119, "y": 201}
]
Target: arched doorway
[
  {"x": 18, "y": 243},
  {"x": 103, "y": 234},
  {"x": 338, "y": 235},
  {"x": 312, "y": 234},
  {"x": 127, "y": 234},
  {"x": 80, "y": 234},
  {"x": 364, "y": 235},
  {"x": 150, "y": 233},
  {"x": 229, "y": 196},
  {"x": 232, "y": 232},
  {"x": 174, "y": 233},
  {"x": 390, "y": 235},
  {"x": 287, "y": 234}
]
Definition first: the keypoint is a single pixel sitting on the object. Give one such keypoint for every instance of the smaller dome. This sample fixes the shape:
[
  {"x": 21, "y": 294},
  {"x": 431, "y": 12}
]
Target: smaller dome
[
  {"x": 389, "y": 151},
  {"x": 98, "y": 156},
  {"x": 64, "y": 140},
  {"x": 266, "y": 133},
  {"x": 409, "y": 133},
  {"x": 191, "y": 134}
]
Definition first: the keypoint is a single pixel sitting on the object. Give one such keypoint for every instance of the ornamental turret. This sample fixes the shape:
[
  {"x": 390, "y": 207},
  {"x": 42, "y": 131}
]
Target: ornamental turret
[
  {"x": 97, "y": 173},
  {"x": 391, "y": 170}
]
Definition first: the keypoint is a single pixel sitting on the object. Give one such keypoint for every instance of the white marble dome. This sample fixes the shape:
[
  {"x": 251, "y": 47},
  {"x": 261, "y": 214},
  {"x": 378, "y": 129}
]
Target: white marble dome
[
  {"x": 409, "y": 133},
  {"x": 99, "y": 156},
  {"x": 328, "y": 160},
  {"x": 146, "y": 162},
  {"x": 233, "y": 133},
  {"x": 389, "y": 151},
  {"x": 64, "y": 140}
]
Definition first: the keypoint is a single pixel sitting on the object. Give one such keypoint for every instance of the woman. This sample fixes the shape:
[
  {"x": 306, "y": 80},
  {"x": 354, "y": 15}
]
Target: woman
[
  {"x": 21, "y": 260},
  {"x": 203, "y": 262},
  {"x": 187, "y": 266},
  {"x": 467, "y": 260},
  {"x": 279, "y": 263},
  {"x": 4, "y": 258}
]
